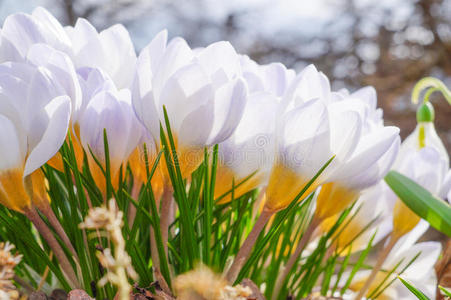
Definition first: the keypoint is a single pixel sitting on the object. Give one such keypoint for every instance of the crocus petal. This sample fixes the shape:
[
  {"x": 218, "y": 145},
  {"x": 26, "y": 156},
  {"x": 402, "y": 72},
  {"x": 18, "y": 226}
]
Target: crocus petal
[
  {"x": 368, "y": 95},
  {"x": 118, "y": 47},
  {"x": 370, "y": 148},
  {"x": 56, "y": 35},
  {"x": 428, "y": 252},
  {"x": 377, "y": 171},
  {"x": 23, "y": 30},
  {"x": 220, "y": 70},
  {"x": 251, "y": 148},
  {"x": 345, "y": 134},
  {"x": 305, "y": 138},
  {"x": 188, "y": 89},
  {"x": 229, "y": 103},
  {"x": 58, "y": 112},
  {"x": 309, "y": 84},
  {"x": 83, "y": 32},
  {"x": 177, "y": 55},
  {"x": 8, "y": 52},
  {"x": 276, "y": 78},
  {"x": 62, "y": 69},
  {"x": 196, "y": 126},
  {"x": 14, "y": 96},
  {"x": 10, "y": 149}
]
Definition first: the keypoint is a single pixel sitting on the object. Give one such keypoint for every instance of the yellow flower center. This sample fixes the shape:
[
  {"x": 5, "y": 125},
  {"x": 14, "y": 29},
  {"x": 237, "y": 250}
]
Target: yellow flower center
[
  {"x": 284, "y": 185},
  {"x": 333, "y": 199},
  {"x": 224, "y": 183},
  {"x": 12, "y": 190},
  {"x": 404, "y": 219}
]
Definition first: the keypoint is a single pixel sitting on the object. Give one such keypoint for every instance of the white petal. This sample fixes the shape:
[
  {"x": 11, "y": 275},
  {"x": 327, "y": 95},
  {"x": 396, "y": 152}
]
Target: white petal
[
  {"x": 112, "y": 112},
  {"x": 196, "y": 126},
  {"x": 61, "y": 67},
  {"x": 185, "y": 91},
  {"x": 277, "y": 78},
  {"x": 10, "y": 150},
  {"x": 369, "y": 150},
  {"x": 120, "y": 55},
  {"x": 305, "y": 141},
  {"x": 345, "y": 134},
  {"x": 408, "y": 240},
  {"x": 177, "y": 55},
  {"x": 428, "y": 252},
  {"x": 368, "y": 95},
  {"x": 22, "y": 31},
  {"x": 41, "y": 90},
  {"x": 155, "y": 50},
  {"x": 229, "y": 103},
  {"x": 56, "y": 35},
  {"x": 251, "y": 148},
  {"x": 83, "y": 32},
  {"x": 58, "y": 112},
  {"x": 309, "y": 84},
  {"x": 377, "y": 171},
  {"x": 220, "y": 70},
  {"x": 425, "y": 166},
  {"x": 8, "y": 52},
  {"x": 14, "y": 96}
]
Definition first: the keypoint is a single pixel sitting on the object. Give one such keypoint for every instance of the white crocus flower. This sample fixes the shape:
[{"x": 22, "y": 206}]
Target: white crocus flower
[
  {"x": 249, "y": 152},
  {"x": 370, "y": 161},
  {"x": 110, "y": 110},
  {"x": 110, "y": 50},
  {"x": 63, "y": 71},
  {"x": 307, "y": 137},
  {"x": 34, "y": 118},
  {"x": 420, "y": 272},
  {"x": 245, "y": 158},
  {"x": 204, "y": 96},
  {"x": 21, "y": 31},
  {"x": 312, "y": 128},
  {"x": 94, "y": 81}
]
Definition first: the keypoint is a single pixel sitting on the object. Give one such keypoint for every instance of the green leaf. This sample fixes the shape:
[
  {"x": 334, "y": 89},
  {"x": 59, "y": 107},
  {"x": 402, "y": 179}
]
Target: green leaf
[
  {"x": 414, "y": 290},
  {"x": 421, "y": 201},
  {"x": 445, "y": 291}
]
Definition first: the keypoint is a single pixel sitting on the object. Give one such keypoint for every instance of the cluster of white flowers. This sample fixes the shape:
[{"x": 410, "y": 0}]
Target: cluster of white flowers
[{"x": 268, "y": 121}]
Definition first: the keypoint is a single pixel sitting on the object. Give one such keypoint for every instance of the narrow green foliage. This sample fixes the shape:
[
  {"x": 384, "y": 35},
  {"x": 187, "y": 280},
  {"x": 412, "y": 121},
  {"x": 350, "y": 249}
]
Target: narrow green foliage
[
  {"x": 446, "y": 292},
  {"x": 414, "y": 290}
]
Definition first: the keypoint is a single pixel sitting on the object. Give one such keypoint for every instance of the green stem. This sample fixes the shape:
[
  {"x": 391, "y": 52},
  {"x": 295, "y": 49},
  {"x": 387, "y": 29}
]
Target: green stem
[{"x": 431, "y": 85}]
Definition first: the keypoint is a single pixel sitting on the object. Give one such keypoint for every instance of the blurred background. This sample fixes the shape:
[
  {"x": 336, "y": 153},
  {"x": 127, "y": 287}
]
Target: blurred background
[{"x": 389, "y": 44}]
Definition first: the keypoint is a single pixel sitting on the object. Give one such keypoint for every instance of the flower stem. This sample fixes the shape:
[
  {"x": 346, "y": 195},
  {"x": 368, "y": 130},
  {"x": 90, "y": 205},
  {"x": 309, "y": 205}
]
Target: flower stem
[
  {"x": 47, "y": 211},
  {"x": 166, "y": 215},
  {"x": 295, "y": 256},
  {"x": 247, "y": 246},
  {"x": 132, "y": 209},
  {"x": 46, "y": 233},
  {"x": 380, "y": 260}
]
